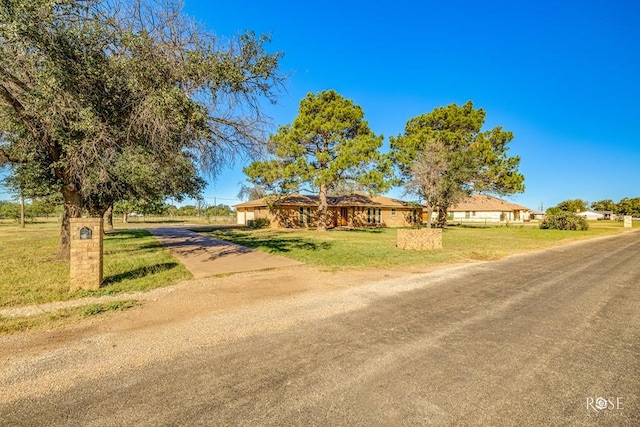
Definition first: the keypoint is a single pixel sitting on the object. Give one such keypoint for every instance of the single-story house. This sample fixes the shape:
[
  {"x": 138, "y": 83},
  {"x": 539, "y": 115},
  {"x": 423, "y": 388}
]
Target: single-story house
[
  {"x": 592, "y": 215},
  {"x": 539, "y": 215},
  {"x": 483, "y": 208},
  {"x": 607, "y": 215},
  {"x": 355, "y": 210}
]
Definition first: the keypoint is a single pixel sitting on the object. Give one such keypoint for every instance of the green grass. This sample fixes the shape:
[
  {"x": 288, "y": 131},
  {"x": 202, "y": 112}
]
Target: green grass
[
  {"x": 135, "y": 261},
  {"x": 9, "y": 325},
  {"x": 30, "y": 274},
  {"x": 376, "y": 248}
]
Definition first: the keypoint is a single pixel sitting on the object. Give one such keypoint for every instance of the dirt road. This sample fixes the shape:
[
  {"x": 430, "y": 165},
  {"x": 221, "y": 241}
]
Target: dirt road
[{"x": 551, "y": 338}]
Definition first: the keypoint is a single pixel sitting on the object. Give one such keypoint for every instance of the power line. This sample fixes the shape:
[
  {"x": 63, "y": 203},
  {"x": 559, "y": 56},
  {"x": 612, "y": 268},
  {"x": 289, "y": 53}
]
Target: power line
[{"x": 218, "y": 198}]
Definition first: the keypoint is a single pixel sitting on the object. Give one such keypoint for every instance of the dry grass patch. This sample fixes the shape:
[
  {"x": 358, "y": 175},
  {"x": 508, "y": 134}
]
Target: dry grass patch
[{"x": 58, "y": 318}]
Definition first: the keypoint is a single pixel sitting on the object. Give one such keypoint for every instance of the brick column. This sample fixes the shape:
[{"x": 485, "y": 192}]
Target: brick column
[{"x": 86, "y": 253}]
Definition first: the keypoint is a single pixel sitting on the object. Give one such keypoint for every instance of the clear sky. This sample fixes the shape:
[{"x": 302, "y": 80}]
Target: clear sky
[{"x": 563, "y": 76}]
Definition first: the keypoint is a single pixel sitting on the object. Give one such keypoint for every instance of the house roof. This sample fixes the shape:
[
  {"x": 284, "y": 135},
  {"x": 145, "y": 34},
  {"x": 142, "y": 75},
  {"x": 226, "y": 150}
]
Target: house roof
[
  {"x": 356, "y": 199},
  {"x": 590, "y": 213},
  {"x": 292, "y": 199},
  {"x": 484, "y": 203}
]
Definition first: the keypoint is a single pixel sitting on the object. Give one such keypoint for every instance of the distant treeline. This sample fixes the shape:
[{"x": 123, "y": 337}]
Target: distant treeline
[
  {"x": 45, "y": 209},
  {"x": 626, "y": 206}
]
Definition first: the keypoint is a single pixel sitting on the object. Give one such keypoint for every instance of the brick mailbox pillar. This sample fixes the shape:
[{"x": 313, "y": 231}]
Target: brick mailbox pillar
[{"x": 86, "y": 253}]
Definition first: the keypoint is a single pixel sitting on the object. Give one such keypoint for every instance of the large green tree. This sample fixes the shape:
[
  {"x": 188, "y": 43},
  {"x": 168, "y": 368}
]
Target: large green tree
[
  {"x": 629, "y": 206},
  {"x": 603, "y": 205},
  {"x": 444, "y": 156},
  {"x": 91, "y": 91},
  {"x": 328, "y": 144},
  {"x": 572, "y": 205}
]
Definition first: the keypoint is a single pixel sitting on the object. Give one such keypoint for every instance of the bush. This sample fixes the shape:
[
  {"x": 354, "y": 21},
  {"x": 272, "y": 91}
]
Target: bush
[
  {"x": 260, "y": 223},
  {"x": 564, "y": 221}
]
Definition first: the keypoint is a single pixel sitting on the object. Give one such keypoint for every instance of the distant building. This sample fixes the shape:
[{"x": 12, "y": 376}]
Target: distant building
[
  {"x": 593, "y": 215},
  {"x": 539, "y": 215},
  {"x": 483, "y": 208},
  {"x": 608, "y": 215}
]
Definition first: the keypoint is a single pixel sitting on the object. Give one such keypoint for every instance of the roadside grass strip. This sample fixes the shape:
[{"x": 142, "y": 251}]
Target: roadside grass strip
[{"x": 61, "y": 317}]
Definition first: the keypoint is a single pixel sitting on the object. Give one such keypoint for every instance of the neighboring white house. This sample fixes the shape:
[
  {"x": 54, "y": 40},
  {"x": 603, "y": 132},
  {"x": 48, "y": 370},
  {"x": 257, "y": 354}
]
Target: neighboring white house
[
  {"x": 539, "y": 215},
  {"x": 482, "y": 208},
  {"x": 591, "y": 215}
]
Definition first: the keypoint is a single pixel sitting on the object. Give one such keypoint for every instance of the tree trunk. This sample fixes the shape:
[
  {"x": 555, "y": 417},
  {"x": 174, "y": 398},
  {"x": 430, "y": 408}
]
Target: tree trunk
[
  {"x": 109, "y": 215},
  {"x": 125, "y": 217},
  {"x": 96, "y": 211},
  {"x": 322, "y": 208},
  {"x": 429, "y": 215},
  {"x": 442, "y": 217},
  {"x": 72, "y": 209},
  {"x": 22, "y": 211}
]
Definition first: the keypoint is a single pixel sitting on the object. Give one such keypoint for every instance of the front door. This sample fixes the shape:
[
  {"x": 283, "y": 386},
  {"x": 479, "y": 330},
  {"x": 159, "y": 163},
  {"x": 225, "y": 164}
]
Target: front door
[{"x": 344, "y": 216}]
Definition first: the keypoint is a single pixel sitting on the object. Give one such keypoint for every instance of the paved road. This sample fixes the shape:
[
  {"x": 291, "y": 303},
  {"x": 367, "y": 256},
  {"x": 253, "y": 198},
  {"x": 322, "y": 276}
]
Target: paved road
[{"x": 546, "y": 339}]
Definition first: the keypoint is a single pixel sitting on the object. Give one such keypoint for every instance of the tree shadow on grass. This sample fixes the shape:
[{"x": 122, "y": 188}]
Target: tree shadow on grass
[
  {"x": 372, "y": 230},
  {"x": 160, "y": 221},
  {"x": 128, "y": 234},
  {"x": 121, "y": 241},
  {"x": 134, "y": 248},
  {"x": 138, "y": 273},
  {"x": 277, "y": 244}
]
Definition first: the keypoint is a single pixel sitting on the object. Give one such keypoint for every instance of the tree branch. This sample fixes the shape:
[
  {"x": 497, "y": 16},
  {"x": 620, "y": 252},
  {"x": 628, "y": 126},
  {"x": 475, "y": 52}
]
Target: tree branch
[
  {"x": 20, "y": 110},
  {"x": 6, "y": 158}
]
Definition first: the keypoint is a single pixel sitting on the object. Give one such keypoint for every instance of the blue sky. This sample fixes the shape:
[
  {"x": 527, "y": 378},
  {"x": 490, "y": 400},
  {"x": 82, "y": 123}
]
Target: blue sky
[{"x": 563, "y": 76}]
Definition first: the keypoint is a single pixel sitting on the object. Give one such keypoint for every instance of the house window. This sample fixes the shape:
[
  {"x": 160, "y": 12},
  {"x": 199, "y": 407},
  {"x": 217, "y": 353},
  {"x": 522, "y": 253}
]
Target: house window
[
  {"x": 374, "y": 216},
  {"x": 393, "y": 212},
  {"x": 412, "y": 216},
  {"x": 305, "y": 216},
  {"x": 467, "y": 215}
]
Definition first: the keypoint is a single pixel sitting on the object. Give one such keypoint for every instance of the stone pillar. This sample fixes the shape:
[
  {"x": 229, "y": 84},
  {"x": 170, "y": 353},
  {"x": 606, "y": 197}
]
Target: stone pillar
[
  {"x": 86, "y": 253},
  {"x": 627, "y": 221}
]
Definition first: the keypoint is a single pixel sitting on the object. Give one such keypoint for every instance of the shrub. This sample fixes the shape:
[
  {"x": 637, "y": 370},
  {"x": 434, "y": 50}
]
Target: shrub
[
  {"x": 260, "y": 223},
  {"x": 564, "y": 221}
]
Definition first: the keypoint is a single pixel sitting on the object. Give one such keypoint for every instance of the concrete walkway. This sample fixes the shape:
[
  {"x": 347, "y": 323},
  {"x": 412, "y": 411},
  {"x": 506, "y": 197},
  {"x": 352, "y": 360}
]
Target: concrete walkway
[{"x": 206, "y": 256}]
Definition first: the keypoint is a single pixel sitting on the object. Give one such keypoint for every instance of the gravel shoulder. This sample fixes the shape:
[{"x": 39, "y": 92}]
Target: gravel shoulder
[{"x": 186, "y": 300}]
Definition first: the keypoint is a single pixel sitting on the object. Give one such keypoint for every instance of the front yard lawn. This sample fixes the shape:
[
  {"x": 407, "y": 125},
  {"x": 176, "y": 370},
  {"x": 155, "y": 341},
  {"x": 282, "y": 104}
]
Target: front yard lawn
[
  {"x": 376, "y": 247},
  {"x": 29, "y": 274}
]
